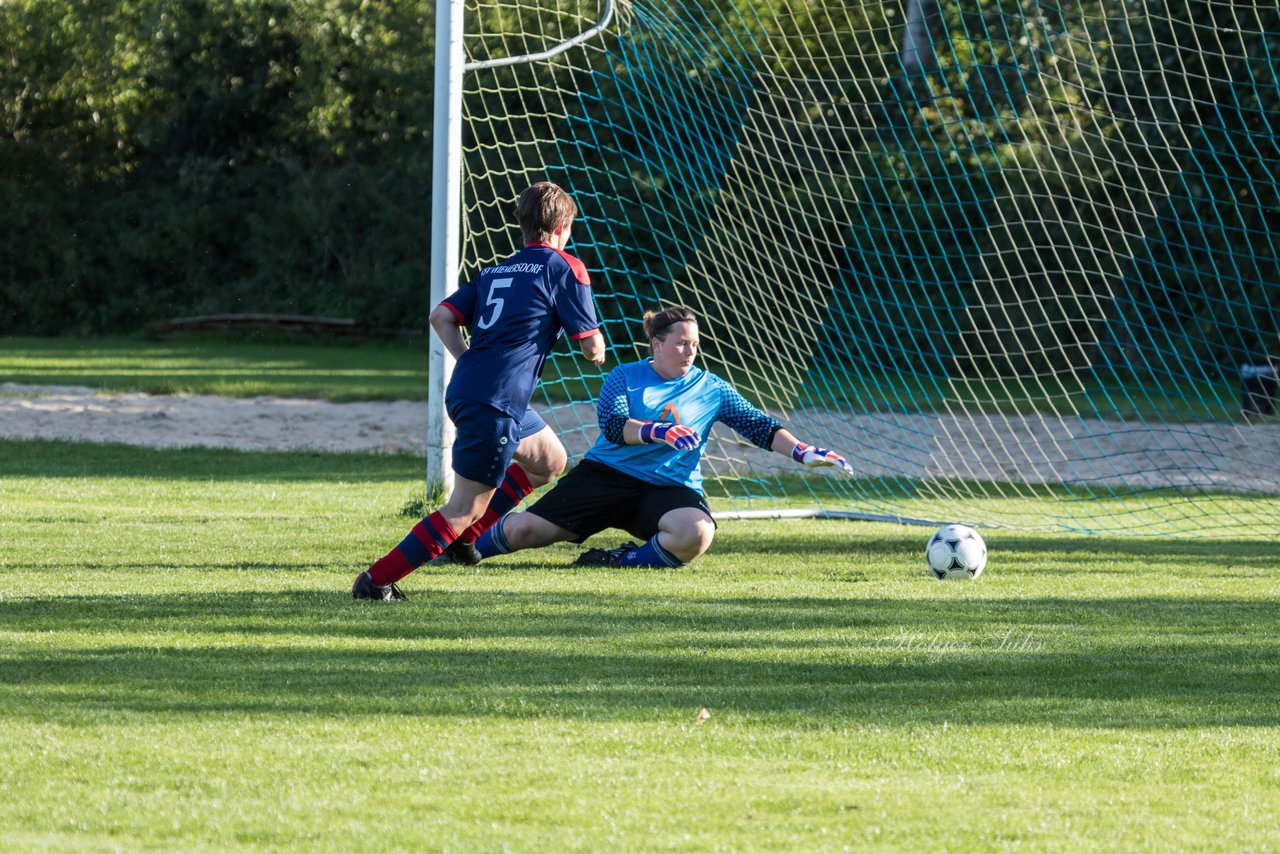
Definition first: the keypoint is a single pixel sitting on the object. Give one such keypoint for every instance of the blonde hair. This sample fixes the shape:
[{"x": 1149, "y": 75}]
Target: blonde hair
[
  {"x": 657, "y": 324},
  {"x": 543, "y": 208}
]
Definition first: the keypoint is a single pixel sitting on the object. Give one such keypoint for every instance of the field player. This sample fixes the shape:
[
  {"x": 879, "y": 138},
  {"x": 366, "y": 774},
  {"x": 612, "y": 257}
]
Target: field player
[
  {"x": 643, "y": 474},
  {"x": 503, "y": 451}
]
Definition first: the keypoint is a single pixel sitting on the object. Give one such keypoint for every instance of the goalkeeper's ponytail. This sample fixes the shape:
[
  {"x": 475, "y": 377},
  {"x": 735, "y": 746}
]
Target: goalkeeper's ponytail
[{"x": 658, "y": 323}]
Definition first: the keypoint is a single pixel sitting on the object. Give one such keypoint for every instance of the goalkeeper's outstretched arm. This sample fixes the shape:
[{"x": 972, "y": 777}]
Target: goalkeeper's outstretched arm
[
  {"x": 764, "y": 431},
  {"x": 807, "y": 455}
]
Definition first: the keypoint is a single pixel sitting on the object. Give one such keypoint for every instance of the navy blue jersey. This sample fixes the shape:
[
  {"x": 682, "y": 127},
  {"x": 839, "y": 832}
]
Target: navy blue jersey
[
  {"x": 698, "y": 399},
  {"x": 516, "y": 311}
]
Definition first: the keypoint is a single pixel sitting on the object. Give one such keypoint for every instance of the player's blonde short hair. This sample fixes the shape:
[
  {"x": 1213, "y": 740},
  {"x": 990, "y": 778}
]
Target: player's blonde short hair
[
  {"x": 542, "y": 209},
  {"x": 657, "y": 324}
]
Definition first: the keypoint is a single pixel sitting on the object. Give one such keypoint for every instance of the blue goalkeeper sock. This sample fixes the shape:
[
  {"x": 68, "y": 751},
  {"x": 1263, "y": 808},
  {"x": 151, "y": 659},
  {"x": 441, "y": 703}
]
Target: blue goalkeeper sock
[
  {"x": 493, "y": 541},
  {"x": 650, "y": 554}
]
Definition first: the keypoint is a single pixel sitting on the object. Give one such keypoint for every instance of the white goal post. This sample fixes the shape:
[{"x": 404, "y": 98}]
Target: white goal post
[{"x": 446, "y": 206}]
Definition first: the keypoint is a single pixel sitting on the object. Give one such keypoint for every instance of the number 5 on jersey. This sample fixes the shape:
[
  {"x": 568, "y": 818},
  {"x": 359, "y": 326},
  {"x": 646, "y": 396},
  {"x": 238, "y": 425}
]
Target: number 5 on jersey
[{"x": 494, "y": 300}]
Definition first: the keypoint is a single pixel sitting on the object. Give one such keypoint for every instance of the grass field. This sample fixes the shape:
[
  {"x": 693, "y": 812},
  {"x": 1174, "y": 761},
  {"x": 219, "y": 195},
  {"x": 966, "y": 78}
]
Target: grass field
[
  {"x": 234, "y": 366},
  {"x": 181, "y": 668}
]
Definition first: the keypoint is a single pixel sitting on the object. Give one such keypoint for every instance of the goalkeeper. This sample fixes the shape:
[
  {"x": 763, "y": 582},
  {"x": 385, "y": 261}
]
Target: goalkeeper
[{"x": 643, "y": 474}]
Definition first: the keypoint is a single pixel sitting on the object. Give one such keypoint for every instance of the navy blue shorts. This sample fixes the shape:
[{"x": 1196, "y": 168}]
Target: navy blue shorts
[{"x": 486, "y": 439}]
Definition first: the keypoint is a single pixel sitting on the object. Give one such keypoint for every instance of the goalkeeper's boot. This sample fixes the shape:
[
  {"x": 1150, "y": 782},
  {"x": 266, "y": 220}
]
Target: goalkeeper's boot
[
  {"x": 459, "y": 552},
  {"x": 364, "y": 588},
  {"x": 604, "y": 557}
]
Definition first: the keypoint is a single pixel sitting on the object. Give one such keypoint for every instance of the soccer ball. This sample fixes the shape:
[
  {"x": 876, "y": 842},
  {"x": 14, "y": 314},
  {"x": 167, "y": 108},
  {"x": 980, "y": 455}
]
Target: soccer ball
[{"x": 954, "y": 552}]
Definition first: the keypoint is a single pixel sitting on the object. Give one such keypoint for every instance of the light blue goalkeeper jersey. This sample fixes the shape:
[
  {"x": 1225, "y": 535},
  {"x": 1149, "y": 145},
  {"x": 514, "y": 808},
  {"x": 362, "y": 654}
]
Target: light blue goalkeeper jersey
[{"x": 698, "y": 399}]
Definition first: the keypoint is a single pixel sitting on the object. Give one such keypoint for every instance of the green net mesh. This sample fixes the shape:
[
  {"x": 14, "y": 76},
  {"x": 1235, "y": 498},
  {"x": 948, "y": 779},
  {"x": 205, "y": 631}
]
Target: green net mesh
[{"x": 1018, "y": 261}]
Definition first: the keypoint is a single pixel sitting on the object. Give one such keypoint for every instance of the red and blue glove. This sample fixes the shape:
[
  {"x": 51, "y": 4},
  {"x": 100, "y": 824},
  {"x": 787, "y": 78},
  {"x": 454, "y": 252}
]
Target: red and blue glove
[
  {"x": 678, "y": 436},
  {"x": 808, "y": 455}
]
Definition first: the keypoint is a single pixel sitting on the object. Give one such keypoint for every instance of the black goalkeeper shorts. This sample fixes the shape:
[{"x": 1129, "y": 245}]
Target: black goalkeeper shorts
[{"x": 594, "y": 496}]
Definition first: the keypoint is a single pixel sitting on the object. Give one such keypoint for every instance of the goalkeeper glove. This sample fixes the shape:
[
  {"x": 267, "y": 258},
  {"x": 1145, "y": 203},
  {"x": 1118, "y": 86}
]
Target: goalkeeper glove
[
  {"x": 808, "y": 455},
  {"x": 678, "y": 436}
]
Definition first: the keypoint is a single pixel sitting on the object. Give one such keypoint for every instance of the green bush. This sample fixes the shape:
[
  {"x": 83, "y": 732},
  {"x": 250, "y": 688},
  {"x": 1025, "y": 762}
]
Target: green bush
[{"x": 163, "y": 159}]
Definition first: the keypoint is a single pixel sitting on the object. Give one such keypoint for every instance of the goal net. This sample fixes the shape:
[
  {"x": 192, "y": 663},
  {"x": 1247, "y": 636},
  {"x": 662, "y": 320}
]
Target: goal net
[{"x": 1016, "y": 260}]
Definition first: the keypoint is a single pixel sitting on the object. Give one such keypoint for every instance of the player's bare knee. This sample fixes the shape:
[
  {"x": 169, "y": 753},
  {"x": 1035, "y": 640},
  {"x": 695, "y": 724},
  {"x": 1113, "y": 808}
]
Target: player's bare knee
[
  {"x": 542, "y": 457},
  {"x": 539, "y": 477},
  {"x": 556, "y": 465},
  {"x": 706, "y": 533},
  {"x": 548, "y": 468},
  {"x": 691, "y": 540}
]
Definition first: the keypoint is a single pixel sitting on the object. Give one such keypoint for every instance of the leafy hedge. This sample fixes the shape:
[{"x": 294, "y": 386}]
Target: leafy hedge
[{"x": 165, "y": 158}]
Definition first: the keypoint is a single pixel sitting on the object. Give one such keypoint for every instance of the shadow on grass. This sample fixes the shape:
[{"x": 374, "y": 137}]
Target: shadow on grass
[
  {"x": 1137, "y": 662},
  {"x": 53, "y": 459}
]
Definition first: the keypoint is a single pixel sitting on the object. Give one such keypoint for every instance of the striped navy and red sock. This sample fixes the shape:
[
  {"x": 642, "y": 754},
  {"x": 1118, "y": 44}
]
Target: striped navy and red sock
[
  {"x": 515, "y": 488},
  {"x": 427, "y": 540}
]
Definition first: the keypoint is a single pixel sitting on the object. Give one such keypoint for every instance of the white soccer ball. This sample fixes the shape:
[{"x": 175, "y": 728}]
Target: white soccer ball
[{"x": 956, "y": 552}]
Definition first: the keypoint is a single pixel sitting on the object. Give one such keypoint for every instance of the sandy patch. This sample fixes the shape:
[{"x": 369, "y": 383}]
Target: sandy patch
[{"x": 174, "y": 421}]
